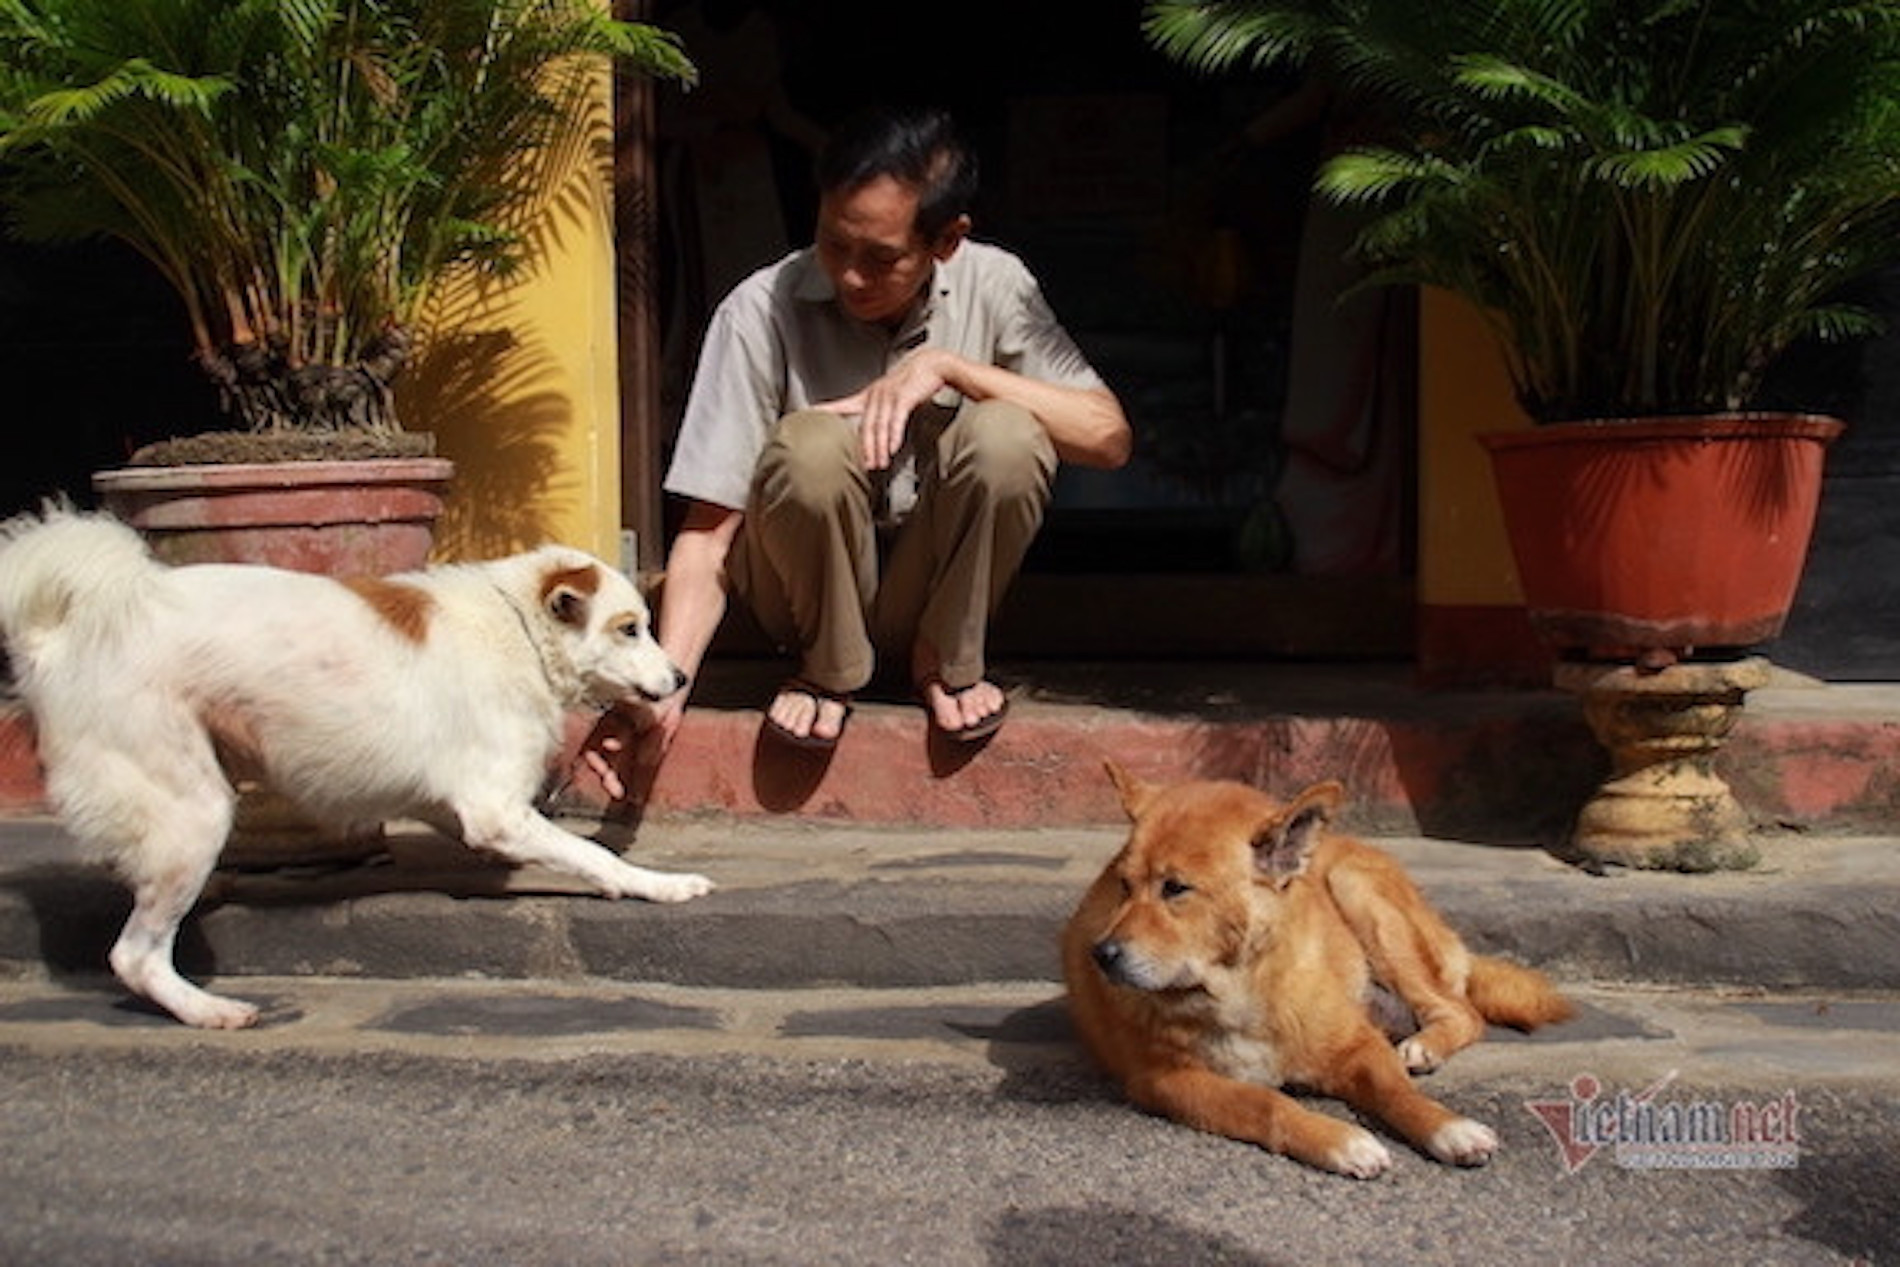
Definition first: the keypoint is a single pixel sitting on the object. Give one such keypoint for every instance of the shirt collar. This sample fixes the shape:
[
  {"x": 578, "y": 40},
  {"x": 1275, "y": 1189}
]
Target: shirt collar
[{"x": 813, "y": 286}]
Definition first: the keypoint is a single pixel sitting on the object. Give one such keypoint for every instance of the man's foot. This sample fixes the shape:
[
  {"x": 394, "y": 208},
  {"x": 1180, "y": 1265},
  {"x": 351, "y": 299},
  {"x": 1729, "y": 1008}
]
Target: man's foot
[
  {"x": 965, "y": 713},
  {"x": 808, "y": 716}
]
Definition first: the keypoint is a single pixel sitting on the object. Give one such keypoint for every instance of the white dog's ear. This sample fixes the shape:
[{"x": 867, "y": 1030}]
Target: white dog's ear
[
  {"x": 568, "y": 605},
  {"x": 1285, "y": 843}
]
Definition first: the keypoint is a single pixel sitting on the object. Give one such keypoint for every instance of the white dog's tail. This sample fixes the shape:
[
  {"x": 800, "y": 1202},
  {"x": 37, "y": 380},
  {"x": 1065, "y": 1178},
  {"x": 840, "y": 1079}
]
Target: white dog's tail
[{"x": 60, "y": 569}]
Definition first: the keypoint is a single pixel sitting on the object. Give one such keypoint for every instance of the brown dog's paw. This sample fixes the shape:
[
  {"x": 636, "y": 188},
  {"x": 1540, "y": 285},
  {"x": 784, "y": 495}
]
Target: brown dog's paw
[
  {"x": 1418, "y": 1057},
  {"x": 1359, "y": 1155},
  {"x": 1463, "y": 1142}
]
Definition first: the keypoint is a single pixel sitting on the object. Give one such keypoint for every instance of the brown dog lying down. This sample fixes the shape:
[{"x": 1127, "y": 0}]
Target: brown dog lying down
[{"x": 1235, "y": 946}]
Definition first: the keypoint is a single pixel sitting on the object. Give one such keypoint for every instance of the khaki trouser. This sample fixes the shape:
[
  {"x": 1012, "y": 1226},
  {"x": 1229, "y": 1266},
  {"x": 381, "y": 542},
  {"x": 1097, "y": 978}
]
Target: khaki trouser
[{"x": 807, "y": 559}]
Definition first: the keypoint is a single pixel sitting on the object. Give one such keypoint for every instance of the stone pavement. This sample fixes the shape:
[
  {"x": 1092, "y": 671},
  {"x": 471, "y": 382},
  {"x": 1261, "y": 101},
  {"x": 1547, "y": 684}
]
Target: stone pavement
[
  {"x": 542, "y": 1125},
  {"x": 1623, "y": 1034},
  {"x": 810, "y": 905}
]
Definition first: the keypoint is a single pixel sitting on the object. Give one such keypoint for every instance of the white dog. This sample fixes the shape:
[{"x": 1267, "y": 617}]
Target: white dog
[{"x": 437, "y": 694}]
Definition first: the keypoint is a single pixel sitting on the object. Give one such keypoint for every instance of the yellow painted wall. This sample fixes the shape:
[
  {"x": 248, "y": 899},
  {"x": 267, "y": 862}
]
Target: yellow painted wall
[
  {"x": 1464, "y": 389},
  {"x": 518, "y": 380}
]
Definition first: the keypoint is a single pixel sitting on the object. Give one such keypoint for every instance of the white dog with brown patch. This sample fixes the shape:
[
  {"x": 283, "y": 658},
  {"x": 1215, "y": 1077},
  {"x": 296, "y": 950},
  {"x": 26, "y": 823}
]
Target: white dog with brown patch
[{"x": 439, "y": 694}]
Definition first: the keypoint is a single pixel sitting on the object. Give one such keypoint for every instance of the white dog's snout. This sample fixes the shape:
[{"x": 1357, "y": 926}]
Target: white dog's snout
[{"x": 654, "y": 695}]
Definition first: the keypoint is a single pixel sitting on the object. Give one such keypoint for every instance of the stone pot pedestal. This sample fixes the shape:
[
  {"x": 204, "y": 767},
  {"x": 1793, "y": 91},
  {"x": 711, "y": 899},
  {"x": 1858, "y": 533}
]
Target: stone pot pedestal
[{"x": 1664, "y": 807}]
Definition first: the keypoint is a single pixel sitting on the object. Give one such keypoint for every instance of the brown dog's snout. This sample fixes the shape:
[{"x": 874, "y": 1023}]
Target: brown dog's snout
[
  {"x": 1127, "y": 963},
  {"x": 1111, "y": 957}
]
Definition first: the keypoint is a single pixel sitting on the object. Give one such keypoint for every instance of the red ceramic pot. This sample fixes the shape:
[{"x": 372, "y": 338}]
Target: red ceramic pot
[
  {"x": 1668, "y": 534},
  {"x": 364, "y": 517}
]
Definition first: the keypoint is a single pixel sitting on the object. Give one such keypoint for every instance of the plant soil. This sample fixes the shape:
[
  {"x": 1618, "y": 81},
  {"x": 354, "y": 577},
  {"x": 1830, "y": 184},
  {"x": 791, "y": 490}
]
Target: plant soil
[{"x": 228, "y": 447}]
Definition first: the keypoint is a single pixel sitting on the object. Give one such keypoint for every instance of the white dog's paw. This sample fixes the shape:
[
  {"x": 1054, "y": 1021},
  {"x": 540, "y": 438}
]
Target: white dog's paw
[
  {"x": 209, "y": 1011},
  {"x": 682, "y": 888},
  {"x": 1463, "y": 1142},
  {"x": 661, "y": 886},
  {"x": 1417, "y": 1056},
  {"x": 159, "y": 983},
  {"x": 1361, "y": 1156}
]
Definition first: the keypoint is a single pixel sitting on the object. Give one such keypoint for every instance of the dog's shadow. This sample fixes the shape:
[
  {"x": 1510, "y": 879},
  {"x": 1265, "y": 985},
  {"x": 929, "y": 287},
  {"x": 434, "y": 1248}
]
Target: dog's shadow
[
  {"x": 74, "y": 911},
  {"x": 1039, "y": 1054},
  {"x": 77, "y": 912}
]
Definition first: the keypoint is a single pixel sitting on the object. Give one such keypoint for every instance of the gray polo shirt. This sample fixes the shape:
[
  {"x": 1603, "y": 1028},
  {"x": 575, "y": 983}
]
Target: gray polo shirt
[{"x": 780, "y": 342}]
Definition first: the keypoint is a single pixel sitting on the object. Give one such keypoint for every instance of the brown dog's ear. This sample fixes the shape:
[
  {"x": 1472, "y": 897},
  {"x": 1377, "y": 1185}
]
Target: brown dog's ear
[
  {"x": 1134, "y": 793},
  {"x": 1285, "y": 843}
]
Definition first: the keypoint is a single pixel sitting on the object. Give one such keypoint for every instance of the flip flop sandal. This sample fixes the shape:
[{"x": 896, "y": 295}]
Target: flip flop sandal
[
  {"x": 975, "y": 732},
  {"x": 811, "y": 742}
]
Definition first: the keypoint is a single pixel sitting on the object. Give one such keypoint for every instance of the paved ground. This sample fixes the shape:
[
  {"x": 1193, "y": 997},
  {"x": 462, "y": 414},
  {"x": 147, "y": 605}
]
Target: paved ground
[
  {"x": 855, "y": 1052},
  {"x": 506, "y": 1122},
  {"x": 1628, "y": 1032}
]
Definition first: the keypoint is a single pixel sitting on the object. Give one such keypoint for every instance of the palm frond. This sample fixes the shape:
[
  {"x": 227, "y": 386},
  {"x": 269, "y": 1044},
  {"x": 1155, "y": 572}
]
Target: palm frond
[
  {"x": 302, "y": 171},
  {"x": 1218, "y": 35},
  {"x": 1650, "y": 198},
  {"x": 1666, "y": 166}
]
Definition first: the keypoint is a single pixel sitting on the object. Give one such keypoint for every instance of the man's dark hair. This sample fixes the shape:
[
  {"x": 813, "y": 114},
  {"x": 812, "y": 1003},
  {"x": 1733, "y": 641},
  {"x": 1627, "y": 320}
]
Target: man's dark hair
[{"x": 920, "y": 148}]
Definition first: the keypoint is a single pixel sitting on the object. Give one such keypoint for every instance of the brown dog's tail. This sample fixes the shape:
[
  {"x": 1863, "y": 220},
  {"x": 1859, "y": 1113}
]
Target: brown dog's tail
[{"x": 1519, "y": 997}]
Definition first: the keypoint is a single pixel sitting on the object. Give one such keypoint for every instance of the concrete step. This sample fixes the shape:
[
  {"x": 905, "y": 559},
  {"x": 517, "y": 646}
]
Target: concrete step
[
  {"x": 903, "y": 862},
  {"x": 804, "y": 905},
  {"x": 1508, "y": 766},
  {"x": 1496, "y": 766}
]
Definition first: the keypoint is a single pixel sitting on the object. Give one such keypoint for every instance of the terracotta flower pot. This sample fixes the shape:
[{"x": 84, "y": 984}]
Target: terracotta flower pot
[
  {"x": 1666, "y": 535},
  {"x": 343, "y": 518}
]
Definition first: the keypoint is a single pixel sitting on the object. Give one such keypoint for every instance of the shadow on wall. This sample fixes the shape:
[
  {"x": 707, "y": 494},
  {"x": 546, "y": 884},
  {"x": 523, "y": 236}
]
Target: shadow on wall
[
  {"x": 498, "y": 396},
  {"x": 495, "y": 403},
  {"x": 1504, "y": 778}
]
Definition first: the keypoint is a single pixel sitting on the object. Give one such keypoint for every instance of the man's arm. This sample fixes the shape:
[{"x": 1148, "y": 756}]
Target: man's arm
[
  {"x": 693, "y": 601},
  {"x": 1086, "y": 424},
  {"x": 691, "y": 607}
]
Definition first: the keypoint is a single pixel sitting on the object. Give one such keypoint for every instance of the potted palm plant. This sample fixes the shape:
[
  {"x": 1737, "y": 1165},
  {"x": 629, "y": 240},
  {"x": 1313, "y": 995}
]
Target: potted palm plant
[
  {"x": 305, "y": 174},
  {"x": 1648, "y": 202}
]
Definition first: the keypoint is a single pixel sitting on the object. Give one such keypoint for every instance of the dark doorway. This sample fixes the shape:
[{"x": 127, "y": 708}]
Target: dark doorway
[
  {"x": 1269, "y": 509},
  {"x": 96, "y": 357}
]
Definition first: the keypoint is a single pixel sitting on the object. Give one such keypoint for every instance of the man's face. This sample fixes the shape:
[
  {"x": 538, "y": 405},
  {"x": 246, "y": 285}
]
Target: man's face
[{"x": 869, "y": 247}]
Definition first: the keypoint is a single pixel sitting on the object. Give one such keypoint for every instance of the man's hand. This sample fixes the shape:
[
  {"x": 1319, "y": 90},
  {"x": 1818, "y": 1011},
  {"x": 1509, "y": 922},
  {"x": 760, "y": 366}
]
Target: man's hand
[
  {"x": 631, "y": 737},
  {"x": 884, "y": 406}
]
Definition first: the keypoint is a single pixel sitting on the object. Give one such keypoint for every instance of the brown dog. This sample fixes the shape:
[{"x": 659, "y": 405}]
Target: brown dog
[{"x": 1235, "y": 946}]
